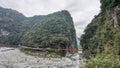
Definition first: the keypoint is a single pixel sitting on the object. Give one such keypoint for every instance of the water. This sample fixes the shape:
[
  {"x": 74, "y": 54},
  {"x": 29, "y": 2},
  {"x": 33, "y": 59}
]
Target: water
[{"x": 78, "y": 43}]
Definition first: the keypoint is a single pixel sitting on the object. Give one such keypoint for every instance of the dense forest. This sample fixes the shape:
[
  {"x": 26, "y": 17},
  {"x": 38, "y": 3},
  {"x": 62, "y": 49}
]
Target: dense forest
[
  {"x": 11, "y": 26},
  {"x": 101, "y": 38},
  {"x": 54, "y": 30}
]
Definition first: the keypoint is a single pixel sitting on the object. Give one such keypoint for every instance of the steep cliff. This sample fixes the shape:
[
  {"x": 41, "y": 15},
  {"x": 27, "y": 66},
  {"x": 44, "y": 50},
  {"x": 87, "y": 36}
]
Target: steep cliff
[
  {"x": 103, "y": 33},
  {"x": 101, "y": 40}
]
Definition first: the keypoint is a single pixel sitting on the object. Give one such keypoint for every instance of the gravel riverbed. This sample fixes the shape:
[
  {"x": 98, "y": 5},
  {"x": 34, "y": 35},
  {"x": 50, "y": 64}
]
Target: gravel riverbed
[{"x": 14, "y": 58}]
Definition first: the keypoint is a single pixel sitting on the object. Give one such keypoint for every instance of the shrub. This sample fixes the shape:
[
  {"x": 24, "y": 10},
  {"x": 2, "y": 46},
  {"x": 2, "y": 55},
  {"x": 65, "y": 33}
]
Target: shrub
[{"x": 103, "y": 61}]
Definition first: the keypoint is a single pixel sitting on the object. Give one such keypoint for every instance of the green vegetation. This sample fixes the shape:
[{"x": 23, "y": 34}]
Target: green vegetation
[
  {"x": 109, "y": 4},
  {"x": 103, "y": 61},
  {"x": 45, "y": 54},
  {"x": 101, "y": 41},
  {"x": 53, "y": 31},
  {"x": 11, "y": 26}
]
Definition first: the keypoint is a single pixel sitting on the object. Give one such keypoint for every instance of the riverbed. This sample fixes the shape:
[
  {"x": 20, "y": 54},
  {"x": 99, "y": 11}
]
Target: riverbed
[{"x": 14, "y": 58}]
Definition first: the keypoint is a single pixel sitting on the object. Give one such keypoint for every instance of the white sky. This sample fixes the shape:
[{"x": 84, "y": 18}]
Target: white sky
[{"x": 82, "y": 11}]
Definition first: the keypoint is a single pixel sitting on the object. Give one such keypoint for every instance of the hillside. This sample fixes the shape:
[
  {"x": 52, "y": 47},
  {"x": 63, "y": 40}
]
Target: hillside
[
  {"x": 11, "y": 26},
  {"x": 53, "y": 31},
  {"x": 101, "y": 38},
  {"x": 104, "y": 30}
]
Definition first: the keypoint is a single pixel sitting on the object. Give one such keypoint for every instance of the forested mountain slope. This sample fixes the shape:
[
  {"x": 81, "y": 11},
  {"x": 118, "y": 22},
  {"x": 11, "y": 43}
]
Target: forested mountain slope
[
  {"x": 11, "y": 26},
  {"x": 101, "y": 38},
  {"x": 55, "y": 30},
  {"x": 103, "y": 33}
]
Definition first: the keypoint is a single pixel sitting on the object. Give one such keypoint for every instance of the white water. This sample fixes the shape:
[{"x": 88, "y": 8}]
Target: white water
[{"x": 78, "y": 43}]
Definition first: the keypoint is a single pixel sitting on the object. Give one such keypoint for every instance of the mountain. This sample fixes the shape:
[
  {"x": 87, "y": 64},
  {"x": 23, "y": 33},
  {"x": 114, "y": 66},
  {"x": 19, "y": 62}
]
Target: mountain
[
  {"x": 51, "y": 31},
  {"x": 103, "y": 33},
  {"x": 101, "y": 38},
  {"x": 11, "y": 26},
  {"x": 54, "y": 30}
]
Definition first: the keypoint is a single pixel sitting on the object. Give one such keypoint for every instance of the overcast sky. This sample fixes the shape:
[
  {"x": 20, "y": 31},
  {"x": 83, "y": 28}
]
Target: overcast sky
[{"x": 82, "y": 11}]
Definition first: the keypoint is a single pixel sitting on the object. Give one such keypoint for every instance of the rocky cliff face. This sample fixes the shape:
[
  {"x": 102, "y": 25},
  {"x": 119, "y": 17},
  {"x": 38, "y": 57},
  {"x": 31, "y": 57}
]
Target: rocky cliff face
[{"x": 103, "y": 33}]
